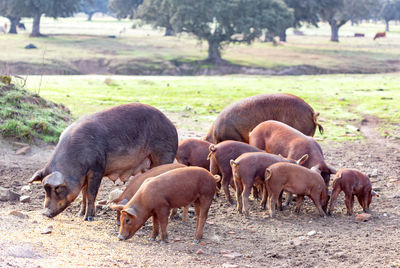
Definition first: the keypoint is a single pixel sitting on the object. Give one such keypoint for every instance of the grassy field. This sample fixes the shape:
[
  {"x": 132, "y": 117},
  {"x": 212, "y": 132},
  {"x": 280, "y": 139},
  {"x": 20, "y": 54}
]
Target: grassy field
[
  {"x": 76, "y": 46},
  {"x": 342, "y": 100}
]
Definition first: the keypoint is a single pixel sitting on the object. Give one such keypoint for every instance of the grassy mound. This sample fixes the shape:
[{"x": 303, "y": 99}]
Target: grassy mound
[{"x": 28, "y": 117}]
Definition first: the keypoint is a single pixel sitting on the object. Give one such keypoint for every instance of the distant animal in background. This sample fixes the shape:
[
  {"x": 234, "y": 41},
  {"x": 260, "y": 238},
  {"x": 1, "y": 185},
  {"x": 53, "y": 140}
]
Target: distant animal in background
[
  {"x": 359, "y": 35},
  {"x": 21, "y": 26},
  {"x": 379, "y": 35},
  {"x": 3, "y": 29}
]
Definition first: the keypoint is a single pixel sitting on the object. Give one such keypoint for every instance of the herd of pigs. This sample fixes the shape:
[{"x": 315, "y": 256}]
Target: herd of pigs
[{"x": 262, "y": 144}]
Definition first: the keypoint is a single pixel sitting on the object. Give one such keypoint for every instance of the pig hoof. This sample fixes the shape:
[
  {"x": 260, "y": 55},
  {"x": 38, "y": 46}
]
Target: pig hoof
[
  {"x": 163, "y": 242},
  {"x": 89, "y": 218},
  {"x": 196, "y": 241},
  {"x": 152, "y": 239}
]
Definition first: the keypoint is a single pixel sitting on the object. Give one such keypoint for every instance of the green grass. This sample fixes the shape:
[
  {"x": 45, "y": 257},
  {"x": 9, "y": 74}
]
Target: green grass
[
  {"x": 342, "y": 100},
  {"x": 27, "y": 117},
  {"x": 141, "y": 50}
]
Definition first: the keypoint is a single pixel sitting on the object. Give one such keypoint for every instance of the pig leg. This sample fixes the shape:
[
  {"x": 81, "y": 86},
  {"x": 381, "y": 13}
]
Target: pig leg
[
  {"x": 174, "y": 211},
  {"x": 317, "y": 202},
  {"x": 204, "y": 206},
  {"x": 82, "y": 211},
  {"x": 299, "y": 202},
  {"x": 265, "y": 196},
  {"x": 289, "y": 197},
  {"x": 279, "y": 203},
  {"x": 156, "y": 228},
  {"x": 349, "y": 200},
  {"x": 245, "y": 196},
  {"x": 239, "y": 196},
  {"x": 94, "y": 181},
  {"x": 162, "y": 216},
  {"x": 225, "y": 186},
  {"x": 185, "y": 213},
  {"x": 272, "y": 203},
  {"x": 335, "y": 193}
]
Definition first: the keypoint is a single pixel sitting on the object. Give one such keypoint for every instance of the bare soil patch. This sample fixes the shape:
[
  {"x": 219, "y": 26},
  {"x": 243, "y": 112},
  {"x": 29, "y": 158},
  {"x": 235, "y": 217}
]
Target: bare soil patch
[{"x": 229, "y": 238}]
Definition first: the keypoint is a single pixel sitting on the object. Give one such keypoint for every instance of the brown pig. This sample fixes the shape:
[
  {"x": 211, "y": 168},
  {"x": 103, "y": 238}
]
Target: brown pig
[
  {"x": 248, "y": 170},
  {"x": 298, "y": 180},
  {"x": 278, "y": 138},
  {"x": 193, "y": 152},
  {"x": 353, "y": 183},
  {"x": 137, "y": 181},
  {"x": 157, "y": 196},
  {"x": 220, "y": 155},
  {"x": 238, "y": 119}
]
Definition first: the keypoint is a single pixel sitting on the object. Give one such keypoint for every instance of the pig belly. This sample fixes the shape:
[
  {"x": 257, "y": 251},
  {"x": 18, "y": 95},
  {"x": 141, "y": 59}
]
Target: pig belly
[
  {"x": 296, "y": 189},
  {"x": 123, "y": 167}
]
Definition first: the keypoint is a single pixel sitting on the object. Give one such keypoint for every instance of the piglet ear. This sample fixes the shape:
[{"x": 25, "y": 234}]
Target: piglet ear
[
  {"x": 130, "y": 211},
  {"x": 117, "y": 207},
  {"x": 54, "y": 179},
  {"x": 37, "y": 177},
  {"x": 302, "y": 159},
  {"x": 217, "y": 178}
]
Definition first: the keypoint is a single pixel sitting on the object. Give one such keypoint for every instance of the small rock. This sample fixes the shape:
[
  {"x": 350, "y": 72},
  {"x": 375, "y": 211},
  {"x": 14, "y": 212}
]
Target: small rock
[
  {"x": 114, "y": 194},
  {"x": 231, "y": 232},
  {"x": 302, "y": 238},
  {"x": 177, "y": 239},
  {"x": 26, "y": 189},
  {"x": 232, "y": 255},
  {"x": 229, "y": 265},
  {"x": 18, "y": 214},
  {"x": 30, "y": 46},
  {"x": 25, "y": 199},
  {"x": 8, "y": 195},
  {"x": 47, "y": 230},
  {"x": 23, "y": 151},
  {"x": 199, "y": 252},
  {"x": 377, "y": 188},
  {"x": 374, "y": 173},
  {"x": 102, "y": 202},
  {"x": 19, "y": 144},
  {"x": 311, "y": 233},
  {"x": 393, "y": 180},
  {"x": 359, "y": 163},
  {"x": 384, "y": 215},
  {"x": 363, "y": 217},
  {"x": 224, "y": 251}
]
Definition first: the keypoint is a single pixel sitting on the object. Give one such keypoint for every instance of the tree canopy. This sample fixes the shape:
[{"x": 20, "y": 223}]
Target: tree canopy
[
  {"x": 124, "y": 8},
  {"x": 390, "y": 11},
  {"x": 90, "y": 7}
]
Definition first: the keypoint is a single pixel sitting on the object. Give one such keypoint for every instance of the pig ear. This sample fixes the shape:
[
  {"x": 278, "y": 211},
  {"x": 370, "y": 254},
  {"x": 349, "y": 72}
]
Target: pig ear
[
  {"x": 217, "y": 178},
  {"x": 302, "y": 159},
  {"x": 131, "y": 211},
  {"x": 117, "y": 207},
  {"x": 332, "y": 170},
  {"x": 37, "y": 177},
  {"x": 54, "y": 179}
]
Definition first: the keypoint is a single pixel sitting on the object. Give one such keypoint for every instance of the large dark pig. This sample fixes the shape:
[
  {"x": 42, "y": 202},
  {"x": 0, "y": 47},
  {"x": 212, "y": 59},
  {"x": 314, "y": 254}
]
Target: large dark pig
[
  {"x": 116, "y": 143},
  {"x": 237, "y": 120}
]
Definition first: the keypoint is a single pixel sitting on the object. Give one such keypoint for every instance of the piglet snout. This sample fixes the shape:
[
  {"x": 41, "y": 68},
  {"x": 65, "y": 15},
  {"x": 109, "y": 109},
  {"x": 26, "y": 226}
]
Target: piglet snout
[
  {"x": 120, "y": 237},
  {"x": 47, "y": 213}
]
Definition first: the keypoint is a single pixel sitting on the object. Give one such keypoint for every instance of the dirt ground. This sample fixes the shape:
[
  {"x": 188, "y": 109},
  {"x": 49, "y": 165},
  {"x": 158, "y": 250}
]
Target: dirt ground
[{"x": 230, "y": 240}]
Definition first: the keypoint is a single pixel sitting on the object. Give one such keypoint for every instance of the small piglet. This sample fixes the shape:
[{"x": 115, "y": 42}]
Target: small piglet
[
  {"x": 157, "y": 196},
  {"x": 193, "y": 152},
  {"x": 353, "y": 183},
  {"x": 138, "y": 180},
  {"x": 298, "y": 180},
  {"x": 248, "y": 170}
]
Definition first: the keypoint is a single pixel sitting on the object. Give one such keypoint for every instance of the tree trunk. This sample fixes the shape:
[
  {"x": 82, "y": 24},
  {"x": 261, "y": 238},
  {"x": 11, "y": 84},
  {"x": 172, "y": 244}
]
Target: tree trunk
[
  {"x": 387, "y": 25},
  {"x": 36, "y": 25},
  {"x": 282, "y": 36},
  {"x": 214, "y": 53},
  {"x": 90, "y": 15},
  {"x": 268, "y": 37},
  {"x": 334, "y": 31},
  {"x": 13, "y": 26},
  {"x": 169, "y": 31}
]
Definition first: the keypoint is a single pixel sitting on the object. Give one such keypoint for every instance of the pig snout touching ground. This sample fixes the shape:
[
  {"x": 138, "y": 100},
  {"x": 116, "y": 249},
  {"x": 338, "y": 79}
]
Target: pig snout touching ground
[
  {"x": 298, "y": 180},
  {"x": 157, "y": 196},
  {"x": 193, "y": 152},
  {"x": 238, "y": 119},
  {"x": 137, "y": 181},
  {"x": 248, "y": 170},
  {"x": 220, "y": 156},
  {"x": 353, "y": 183},
  {"x": 116, "y": 142},
  {"x": 278, "y": 138}
]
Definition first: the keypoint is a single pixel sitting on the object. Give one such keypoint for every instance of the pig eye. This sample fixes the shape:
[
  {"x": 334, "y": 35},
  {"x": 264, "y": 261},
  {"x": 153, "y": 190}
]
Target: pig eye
[
  {"x": 59, "y": 190},
  {"x": 127, "y": 221}
]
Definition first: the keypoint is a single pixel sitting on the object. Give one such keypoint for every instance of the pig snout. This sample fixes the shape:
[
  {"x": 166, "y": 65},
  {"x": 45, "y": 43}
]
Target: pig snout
[
  {"x": 47, "y": 212},
  {"x": 120, "y": 237}
]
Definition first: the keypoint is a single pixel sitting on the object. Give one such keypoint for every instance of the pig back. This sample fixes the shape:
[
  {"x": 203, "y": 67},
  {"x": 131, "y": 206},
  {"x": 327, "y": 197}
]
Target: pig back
[
  {"x": 176, "y": 188},
  {"x": 237, "y": 120}
]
